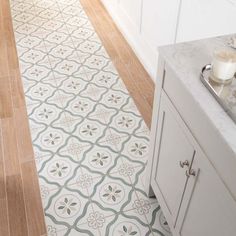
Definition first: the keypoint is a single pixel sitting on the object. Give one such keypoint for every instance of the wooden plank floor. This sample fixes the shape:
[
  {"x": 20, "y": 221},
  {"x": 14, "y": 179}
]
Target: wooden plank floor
[
  {"x": 21, "y": 212},
  {"x": 136, "y": 79}
]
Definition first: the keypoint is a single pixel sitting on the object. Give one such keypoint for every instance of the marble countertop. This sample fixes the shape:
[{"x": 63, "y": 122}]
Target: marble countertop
[{"x": 187, "y": 60}]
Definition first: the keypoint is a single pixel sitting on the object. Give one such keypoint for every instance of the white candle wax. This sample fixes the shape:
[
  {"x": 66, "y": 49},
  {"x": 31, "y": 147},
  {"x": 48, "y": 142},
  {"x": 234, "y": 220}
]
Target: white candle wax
[{"x": 224, "y": 65}]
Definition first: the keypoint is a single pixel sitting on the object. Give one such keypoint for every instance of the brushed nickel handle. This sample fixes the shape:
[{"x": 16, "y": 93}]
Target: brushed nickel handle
[
  {"x": 190, "y": 173},
  {"x": 184, "y": 163}
]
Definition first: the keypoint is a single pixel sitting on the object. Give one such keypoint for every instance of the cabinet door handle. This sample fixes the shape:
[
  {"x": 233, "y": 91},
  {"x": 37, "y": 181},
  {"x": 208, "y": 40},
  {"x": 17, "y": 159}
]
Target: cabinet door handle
[
  {"x": 190, "y": 173},
  {"x": 184, "y": 163}
]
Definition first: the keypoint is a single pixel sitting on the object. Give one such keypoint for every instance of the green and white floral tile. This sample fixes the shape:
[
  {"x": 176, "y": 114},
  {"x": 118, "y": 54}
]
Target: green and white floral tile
[
  {"x": 89, "y": 47},
  {"x": 55, "y": 229},
  {"x": 95, "y": 220},
  {"x": 31, "y": 105},
  {"x": 126, "y": 122},
  {"x": 61, "y": 51},
  {"x": 56, "y": 39},
  {"x": 47, "y": 190},
  {"x": 130, "y": 170},
  {"x": 85, "y": 73},
  {"x": 75, "y": 232},
  {"x": 114, "y": 99},
  {"x": 144, "y": 199},
  {"x": 113, "y": 140},
  {"x": 100, "y": 217},
  {"x": 124, "y": 226},
  {"x": 136, "y": 149},
  {"x": 41, "y": 157},
  {"x": 34, "y": 55},
  {"x": 58, "y": 170},
  {"x": 66, "y": 122},
  {"x": 114, "y": 195},
  {"x": 75, "y": 149},
  {"x": 29, "y": 42},
  {"x": 100, "y": 159},
  {"x": 102, "y": 113},
  {"x": 45, "y": 113},
  {"x": 60, "y": 99},
  {"x": 67, "y": 206},
  {"x": 35, "y": 72},
  {"x": 90, "y": 131},
  {"x": 51, "y": 139},
  {"x": 119, "y": 86},
  {"x": 137, "y": 213},
  {"x": 89, "y": 139},
  {"x": 85, "y": 180},
  {"x": 41, "y": 92},
  {"x": 121, "y": 171},
  {"x": 51, "y": 79},
  {"x": 81, "y": 106},
  {"x": 73, "y": 85},
  {"x": 105, "y": 79},
  {"x": 36, "y": 129},
  {"x": 158, "y": 222},
  {"x": 94, "y": 92}
]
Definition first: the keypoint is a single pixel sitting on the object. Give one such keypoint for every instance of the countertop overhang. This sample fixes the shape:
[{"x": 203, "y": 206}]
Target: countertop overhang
[{"x": 187, "y": 60}]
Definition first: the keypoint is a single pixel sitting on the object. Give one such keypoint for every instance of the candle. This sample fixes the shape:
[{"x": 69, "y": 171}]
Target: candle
[{"x": 224, "y": 65}]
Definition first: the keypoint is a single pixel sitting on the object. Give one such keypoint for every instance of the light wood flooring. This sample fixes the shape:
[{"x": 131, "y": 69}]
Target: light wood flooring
[
  {"x": 136, "y": 79},
  {"x": 21, "y": 212}
]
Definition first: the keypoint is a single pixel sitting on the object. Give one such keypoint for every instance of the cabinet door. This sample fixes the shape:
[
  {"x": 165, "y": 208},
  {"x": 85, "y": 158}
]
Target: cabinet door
[
  {"x": 202, "y": 19},
  {"x": 133, "y": 10},
  {"x": 159, "y": 21},
  {"x": 173, "y": 146},
  {"x": 211, "y": 210}
]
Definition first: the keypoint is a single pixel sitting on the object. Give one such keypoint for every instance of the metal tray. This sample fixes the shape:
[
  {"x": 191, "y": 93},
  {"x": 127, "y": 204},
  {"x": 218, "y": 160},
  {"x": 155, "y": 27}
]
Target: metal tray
[{"x": 225, "y": 94}]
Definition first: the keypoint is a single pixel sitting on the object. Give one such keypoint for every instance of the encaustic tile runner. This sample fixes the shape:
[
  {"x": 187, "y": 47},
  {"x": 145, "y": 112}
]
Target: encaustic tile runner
[{"x": 89, "y": 140}]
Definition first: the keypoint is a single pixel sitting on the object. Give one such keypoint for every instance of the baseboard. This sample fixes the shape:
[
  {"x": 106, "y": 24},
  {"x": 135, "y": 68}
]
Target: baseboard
[{"x": 147, "y": 56}]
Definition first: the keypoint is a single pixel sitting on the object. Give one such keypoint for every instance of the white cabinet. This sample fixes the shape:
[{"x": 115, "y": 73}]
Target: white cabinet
[
  {"x": 193, "y": 197},
  {"x": 159, "y": 21},
  {"x": 174, "y": 151},
  {"x": 133, "y": 11},
  {"x": 209, "y": 203},
  {"x": 201, "y": 19}
]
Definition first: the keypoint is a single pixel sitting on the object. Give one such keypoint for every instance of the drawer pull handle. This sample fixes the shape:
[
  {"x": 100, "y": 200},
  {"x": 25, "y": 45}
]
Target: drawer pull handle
[
  {"x": 182, "y": 164},
  {"x": 190, "y": 173}
]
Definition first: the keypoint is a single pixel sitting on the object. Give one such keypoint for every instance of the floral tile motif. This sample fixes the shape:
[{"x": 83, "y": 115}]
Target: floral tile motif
[
  {"x": 89, "y": 140},
  {"x": 126, "y": 226}
]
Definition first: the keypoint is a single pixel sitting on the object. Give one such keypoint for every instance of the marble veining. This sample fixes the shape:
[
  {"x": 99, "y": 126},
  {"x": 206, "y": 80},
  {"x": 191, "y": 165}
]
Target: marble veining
[{"x": 186, "y": 60}]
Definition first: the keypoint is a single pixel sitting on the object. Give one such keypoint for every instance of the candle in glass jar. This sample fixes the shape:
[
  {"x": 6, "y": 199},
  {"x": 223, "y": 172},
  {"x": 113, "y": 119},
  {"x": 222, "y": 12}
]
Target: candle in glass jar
[{"x": 224, "y": 65}]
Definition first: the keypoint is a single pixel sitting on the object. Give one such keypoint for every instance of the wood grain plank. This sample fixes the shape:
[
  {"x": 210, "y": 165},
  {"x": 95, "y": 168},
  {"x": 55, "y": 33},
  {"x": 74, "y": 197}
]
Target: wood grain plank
[
  {"x": 18, "y": 96},
  {"x": 17, "y": 197},
  {"x": 10, "y": 153},
  {"x": 12, "y": 57},
  {"x": 25, "y": 146},
  {"x": 4, "y": 219},
  {"x": 36, "y": 225},
  {"x": 2, "y": 170},
  {"x": 6, "y": 109},
  {"x": 16, "y": 206}
]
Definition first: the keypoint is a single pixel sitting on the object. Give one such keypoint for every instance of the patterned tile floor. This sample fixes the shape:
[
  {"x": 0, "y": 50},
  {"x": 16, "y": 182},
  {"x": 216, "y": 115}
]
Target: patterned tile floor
[{"x": 90, "y": 142}]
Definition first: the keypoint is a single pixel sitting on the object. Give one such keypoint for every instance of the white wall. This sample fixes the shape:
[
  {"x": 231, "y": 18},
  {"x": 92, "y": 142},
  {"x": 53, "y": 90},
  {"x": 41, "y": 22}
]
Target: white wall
[
  {"x": 206, "y": 18},
  {"x": 148, "y": 24}
]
